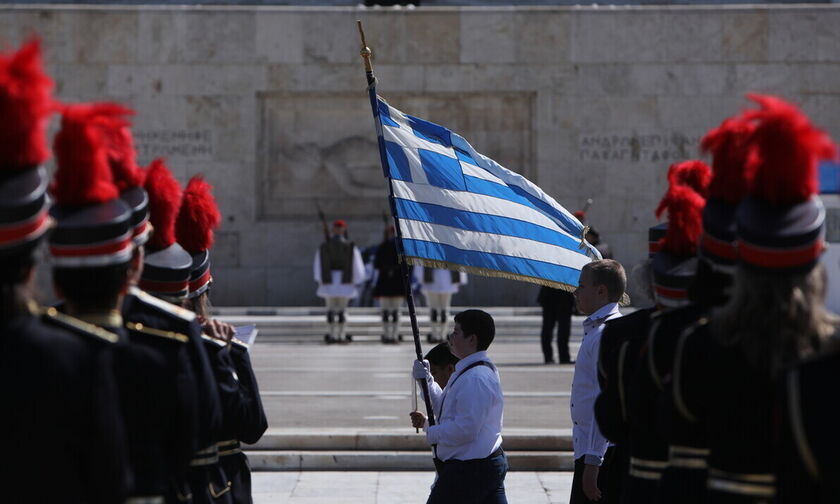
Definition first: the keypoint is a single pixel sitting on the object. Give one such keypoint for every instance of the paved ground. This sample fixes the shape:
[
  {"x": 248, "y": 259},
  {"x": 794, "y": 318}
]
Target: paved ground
[
  {"x": 367, "y": 385},
  {"x": 394, "y": 487}
]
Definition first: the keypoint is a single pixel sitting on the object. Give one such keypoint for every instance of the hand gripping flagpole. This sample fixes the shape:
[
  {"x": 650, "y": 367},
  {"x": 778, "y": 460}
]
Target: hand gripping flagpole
[{"x": 415, "y": 329}]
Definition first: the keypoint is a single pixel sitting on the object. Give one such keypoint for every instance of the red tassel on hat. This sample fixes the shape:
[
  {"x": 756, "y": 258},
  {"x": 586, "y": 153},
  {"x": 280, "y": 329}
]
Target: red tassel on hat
[
  {"x": 684, "y": 202},
  {"x": 199, "y": 216},
  {"x": 82, "y": 176},
  {"x": 729, "y": 145},
  {"x": 164, "y": 199},
  {"x": 787, "y": 150},
  {"x": 25, "y": 108},
  {"x": 114, "y": 118}
]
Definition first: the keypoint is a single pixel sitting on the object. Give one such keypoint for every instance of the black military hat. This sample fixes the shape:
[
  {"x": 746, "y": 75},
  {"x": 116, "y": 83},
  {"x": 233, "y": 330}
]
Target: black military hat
[
  {"x": 197, "y": 219},
  {"x": 781, "y": 222},
  {"x": 675, "y": 263},
  {"x": 92, "y": 223},
  {"x": 729, "y": 145},
  {"x": 166, "y": 270},
  {"x": 25, "y": 108},
  {"x": 128, "y": 177}
]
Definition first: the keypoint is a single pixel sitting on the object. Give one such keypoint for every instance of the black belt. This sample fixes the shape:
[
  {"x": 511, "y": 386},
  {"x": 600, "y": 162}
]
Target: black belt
[
  {"x": 439, "y": 463},
  {"x": 205, "y": 457}
]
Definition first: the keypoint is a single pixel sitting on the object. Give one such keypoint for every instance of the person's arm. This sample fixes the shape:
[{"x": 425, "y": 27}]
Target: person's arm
[
  {"x": 471, "y": 403},
  {"x": 254, "y": 422}
]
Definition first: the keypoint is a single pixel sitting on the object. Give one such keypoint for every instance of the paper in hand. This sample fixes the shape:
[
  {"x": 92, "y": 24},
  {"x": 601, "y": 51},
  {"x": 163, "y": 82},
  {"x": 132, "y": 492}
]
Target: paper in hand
[{"x": 246, "y": 334}]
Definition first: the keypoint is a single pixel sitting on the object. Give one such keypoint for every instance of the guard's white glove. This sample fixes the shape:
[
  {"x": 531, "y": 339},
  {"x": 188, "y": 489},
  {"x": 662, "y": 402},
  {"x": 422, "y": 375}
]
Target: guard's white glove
[{"x": 421, "y": 370}]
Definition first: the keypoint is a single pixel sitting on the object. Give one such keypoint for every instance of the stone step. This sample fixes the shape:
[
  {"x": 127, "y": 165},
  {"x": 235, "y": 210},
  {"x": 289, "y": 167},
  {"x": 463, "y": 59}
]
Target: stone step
[
  {"x": 422, "y": 311},
  {"x": 280, "y": 440},
  {"x": 305, "y": 460}
]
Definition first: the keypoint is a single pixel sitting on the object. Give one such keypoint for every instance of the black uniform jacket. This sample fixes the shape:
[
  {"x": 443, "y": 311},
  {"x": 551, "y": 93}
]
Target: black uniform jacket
[
  {"x": 61, "y": 428},
  {"x": 807, "y": 448},
  {"x": 245, "y": 420}
]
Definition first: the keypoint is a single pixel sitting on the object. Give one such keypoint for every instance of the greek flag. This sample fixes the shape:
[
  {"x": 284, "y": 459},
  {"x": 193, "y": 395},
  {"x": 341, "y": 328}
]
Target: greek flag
[{"x": 460, "y": 210}]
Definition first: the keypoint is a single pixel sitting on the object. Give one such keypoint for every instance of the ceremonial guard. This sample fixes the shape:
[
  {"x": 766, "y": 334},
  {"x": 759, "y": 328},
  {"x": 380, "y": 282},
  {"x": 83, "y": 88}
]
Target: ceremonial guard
[
  {"x": 557, "y": 308},
  {"x": 389, "y": 288},
  {"x": 243, "y": 415},
  {"x": 621, "y": 341},
  {"x": 728, "y": 368},
  {"x": 338, "y": 269},
  {"x": 60, "y": 397},
  {"x": 91, "y": 248},
  {"x": 684, "y": 479},
  {"x": 166, "y": 273},
  {"x": 438, "y": 286},
  {"x": 673, "y": 268}
]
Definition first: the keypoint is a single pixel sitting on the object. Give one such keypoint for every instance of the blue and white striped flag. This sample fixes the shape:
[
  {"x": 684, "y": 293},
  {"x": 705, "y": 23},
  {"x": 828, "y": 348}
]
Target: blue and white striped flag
[{"x": 460, "y": 210}]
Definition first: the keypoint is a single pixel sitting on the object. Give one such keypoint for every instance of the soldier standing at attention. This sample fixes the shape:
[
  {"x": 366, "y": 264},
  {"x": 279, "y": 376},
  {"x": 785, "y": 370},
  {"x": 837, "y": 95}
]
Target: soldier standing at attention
[
  {"x": 338, "y": 269},
  {"x": 389, "y": 288},
  {"x": 61, "y": 399},
  {"x": 438, "y": 286},
  {"x": 601, "y": 286}
]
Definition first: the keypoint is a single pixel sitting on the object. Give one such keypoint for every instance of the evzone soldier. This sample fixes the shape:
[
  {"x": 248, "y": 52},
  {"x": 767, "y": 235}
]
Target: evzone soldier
[
  {"x": 91, "y": 248},
  {"x": 338, "y": 269},
  {"x": 389, "y": 288},
  {"x": 166, "y": 274},
  {"x": 621, "y": 341},
  {"x": 684, "y": 479},
  {"x": 62, "y": 400},
  {"x": 673, "y": 268},
  {"x": 243, "y": 415},
  {"x": 728, "y": 369},
  {"x": 438, "y": 286}
]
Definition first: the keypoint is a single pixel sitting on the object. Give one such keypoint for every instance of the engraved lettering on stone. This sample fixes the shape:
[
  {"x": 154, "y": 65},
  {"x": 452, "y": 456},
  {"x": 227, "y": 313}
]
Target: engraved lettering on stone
[
  {"x": 174, "y": 143},
  {"x": 636, "y": 147}
]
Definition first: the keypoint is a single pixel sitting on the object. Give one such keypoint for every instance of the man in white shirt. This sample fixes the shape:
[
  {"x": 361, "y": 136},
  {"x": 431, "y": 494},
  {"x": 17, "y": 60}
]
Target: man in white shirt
[
  {"x": 467, "y": 438},
  {"x": 600, "y": 287}
]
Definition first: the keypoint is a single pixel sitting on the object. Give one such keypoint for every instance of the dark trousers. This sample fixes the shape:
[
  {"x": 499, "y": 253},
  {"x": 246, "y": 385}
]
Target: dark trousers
[
  {"x": 609, "y": 494},
  {"x": 480, "y": 481},
  {"x": 560, "y": 316}
]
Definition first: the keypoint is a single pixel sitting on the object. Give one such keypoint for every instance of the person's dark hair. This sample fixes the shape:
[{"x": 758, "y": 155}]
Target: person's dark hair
[
  {"x": 14, "y": 268},
  {"x": 441, "y": 356},
  {"x": 775, "y": 319},
  {"x": 610, "y": 274},
  {"x": 92, "y": 289},
  {"x": 480, "y": 323}
]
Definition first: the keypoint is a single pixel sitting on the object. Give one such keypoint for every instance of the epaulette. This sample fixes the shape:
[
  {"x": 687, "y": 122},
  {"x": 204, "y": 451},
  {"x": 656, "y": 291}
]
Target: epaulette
[
  {"x": 239, "y": 343},
  {"x": 163, "y": 305},
  {"x": 78, "y": 326},
  {"x": 213, "y": 340},
  {"x": 137, "y": 327}
]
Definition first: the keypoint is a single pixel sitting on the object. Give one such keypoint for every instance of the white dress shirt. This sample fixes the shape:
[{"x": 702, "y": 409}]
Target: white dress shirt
[
  {"x": 587, "y": 438},
  {"x": 470, "y": 425},
  {"x": 336, "y": 288}
]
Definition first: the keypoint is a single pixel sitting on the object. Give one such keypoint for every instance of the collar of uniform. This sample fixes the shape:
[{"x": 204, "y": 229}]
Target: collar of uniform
[
  {"x": 111, "y": 318},
  {"x": 474, "y": 357},
  {"x": 601, "y": 314}
]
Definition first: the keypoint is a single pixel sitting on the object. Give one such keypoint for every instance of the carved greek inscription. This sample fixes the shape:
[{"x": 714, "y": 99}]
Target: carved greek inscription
[
  {"x": 637, "y": 147},
  {"x": 174, "y": 143}
]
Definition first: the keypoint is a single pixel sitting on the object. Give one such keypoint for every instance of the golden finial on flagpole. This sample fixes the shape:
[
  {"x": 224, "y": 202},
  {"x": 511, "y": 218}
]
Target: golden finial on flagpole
[{"x": 365, "y": 53}]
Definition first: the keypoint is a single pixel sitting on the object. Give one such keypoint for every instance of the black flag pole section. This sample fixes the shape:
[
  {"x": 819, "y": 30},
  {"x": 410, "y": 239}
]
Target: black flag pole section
[{"x": 415, "y": 329}]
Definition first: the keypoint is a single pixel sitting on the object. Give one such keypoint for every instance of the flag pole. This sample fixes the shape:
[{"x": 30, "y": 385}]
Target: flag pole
[{"x": 366, "y": 54}]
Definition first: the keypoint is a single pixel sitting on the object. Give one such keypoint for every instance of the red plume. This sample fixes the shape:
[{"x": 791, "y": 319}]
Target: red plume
[
  {"x": 82, "y": 176},
  {"x": 25, "y": 108},
  {"x": 198, "y": 217},
  {"x": 730, "y": 148},
  {"x": 787, "y": 148},
  {"x": 684, "y": 201},
  {"x": 164, "y": 200},
  {"x": 113, "y": 117}
]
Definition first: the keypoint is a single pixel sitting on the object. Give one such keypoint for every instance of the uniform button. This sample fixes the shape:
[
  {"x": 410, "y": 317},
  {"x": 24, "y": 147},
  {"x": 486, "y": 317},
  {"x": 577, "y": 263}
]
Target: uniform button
[
  {"x": 573, "y": 405},
  {"x": 575, "y": 423}
]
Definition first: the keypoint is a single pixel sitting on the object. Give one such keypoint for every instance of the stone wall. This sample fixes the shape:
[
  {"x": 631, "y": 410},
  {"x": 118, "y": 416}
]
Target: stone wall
[{"x": 270, "y": 103}]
